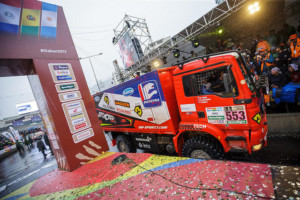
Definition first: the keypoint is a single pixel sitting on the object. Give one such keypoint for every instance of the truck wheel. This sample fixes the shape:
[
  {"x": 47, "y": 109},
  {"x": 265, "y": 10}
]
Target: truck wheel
[
  {"x": 124, "y": 144},
  {"x": 203, "y": 147}
]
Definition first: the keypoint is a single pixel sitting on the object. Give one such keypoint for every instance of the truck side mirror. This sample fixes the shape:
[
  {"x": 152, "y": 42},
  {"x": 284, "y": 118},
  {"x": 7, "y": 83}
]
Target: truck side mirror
[{"x": 227, "y": 82}]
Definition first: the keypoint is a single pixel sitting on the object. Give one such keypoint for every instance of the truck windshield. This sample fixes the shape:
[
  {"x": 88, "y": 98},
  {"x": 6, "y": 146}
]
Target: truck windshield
[{"x": 248, "y": 75}]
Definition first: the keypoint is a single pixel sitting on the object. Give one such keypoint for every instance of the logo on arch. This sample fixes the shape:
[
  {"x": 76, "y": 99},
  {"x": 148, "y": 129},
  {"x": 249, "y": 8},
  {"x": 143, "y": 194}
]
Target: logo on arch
[{"x": 150, "y": 94}]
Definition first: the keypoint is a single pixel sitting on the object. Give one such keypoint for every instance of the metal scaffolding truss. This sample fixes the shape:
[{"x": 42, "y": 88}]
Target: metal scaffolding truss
[
  {"x": 208, "y": 20},
  {"x": 137, "y": 28}
]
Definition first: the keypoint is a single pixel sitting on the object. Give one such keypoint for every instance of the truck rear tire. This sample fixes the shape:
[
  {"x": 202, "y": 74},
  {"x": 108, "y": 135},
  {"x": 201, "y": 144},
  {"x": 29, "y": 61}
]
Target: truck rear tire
[
  {"x": 124, "y": 144},
  {"x": 203, "y": 147}
]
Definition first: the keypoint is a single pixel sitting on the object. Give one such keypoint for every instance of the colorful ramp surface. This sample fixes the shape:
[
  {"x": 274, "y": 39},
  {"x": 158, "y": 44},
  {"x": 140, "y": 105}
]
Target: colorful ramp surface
[{"x": 147, "y": 176}]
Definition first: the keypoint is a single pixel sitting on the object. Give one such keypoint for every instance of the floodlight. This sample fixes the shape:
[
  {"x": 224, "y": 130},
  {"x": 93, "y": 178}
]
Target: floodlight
[
  {"x": 176, "y": 53},
  {"x": 253, "y": 7},
  {"x": 195, "y": 43},
  {"x": 156, "y": 64}
]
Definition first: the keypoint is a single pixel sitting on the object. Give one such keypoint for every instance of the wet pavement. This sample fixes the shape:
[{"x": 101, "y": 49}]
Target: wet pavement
[{"x": 16, "y": 170}]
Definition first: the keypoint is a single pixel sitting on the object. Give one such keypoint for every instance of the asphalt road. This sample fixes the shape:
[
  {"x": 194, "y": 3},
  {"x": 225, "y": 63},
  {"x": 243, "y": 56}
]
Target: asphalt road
[{"x": 17, "y": 171}]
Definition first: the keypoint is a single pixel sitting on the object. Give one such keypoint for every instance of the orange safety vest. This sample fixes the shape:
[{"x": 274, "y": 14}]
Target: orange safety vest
[
  {"x": 264, "y": 44},
  {"x": 295, "y": 51},
  {"x": 267, "y": 63}
]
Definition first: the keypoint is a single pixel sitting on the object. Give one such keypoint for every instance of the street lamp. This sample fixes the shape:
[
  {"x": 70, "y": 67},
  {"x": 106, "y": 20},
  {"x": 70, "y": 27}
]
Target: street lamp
[{"x": 89, "y": 57}]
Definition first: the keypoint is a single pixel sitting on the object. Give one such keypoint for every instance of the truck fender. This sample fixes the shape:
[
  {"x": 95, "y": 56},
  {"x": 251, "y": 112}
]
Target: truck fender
[{"x": 206, "y": 128}]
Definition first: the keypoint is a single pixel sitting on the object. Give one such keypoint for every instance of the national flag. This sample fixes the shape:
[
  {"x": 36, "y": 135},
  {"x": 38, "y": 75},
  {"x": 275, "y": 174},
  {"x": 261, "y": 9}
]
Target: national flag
[
  {"x": 9, "y": 18},
  {"x": 49, "y": 20},
  {"x": 31, "y": 13},
  {"x": 30, "y": 22}
]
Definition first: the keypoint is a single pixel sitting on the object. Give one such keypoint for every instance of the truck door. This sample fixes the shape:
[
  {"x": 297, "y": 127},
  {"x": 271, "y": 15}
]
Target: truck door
[{"x": 216, "y": 88}]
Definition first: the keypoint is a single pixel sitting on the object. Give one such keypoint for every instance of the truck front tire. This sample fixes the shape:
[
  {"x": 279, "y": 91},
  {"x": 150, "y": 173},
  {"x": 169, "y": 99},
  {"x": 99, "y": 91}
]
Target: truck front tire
[
  {"x": 124, "y": 144},
  {"x": 203, "y": 147}
]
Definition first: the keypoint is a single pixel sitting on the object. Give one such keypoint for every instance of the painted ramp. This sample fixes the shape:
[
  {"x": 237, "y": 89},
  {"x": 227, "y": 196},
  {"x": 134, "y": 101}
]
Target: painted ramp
[{"x": 147, "y": 176}]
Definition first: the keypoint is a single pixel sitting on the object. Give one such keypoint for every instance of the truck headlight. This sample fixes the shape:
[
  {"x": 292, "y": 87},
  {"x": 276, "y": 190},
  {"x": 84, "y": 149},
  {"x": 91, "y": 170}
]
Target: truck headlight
[{"x": 257, "y": 147}]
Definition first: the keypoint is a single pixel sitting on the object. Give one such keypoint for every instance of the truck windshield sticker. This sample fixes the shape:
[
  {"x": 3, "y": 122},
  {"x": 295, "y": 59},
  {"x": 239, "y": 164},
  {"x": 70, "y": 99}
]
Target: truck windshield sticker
[
  {"x": 188, "y": 107},
  {"x": 227, "y": 115},
  {"x": 150, "y": 94}
]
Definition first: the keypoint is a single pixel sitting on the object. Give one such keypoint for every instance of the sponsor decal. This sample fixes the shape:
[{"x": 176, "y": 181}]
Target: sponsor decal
[
  {"x": 188, "y": 107},
  {"x": 121, "y": 103},
  {"x": 60, "y": 78},
  {"x": 153, "y": 127},
  {"x": 226, "y": 115},
  {"x": 106, "y": 117},
  {"x": 257, "y": 118},
  {"x": 60, "y": 67},
  {"x": 75, "y": 110},
  {"x": 73, "y": 105},
  {"x": 67, "y": 87},
  {"x": 78, "y": 121},
  {"x": 149, "y": 94},
  {"x": 96, "y": 98},
  {"x": 106, "y": 100},
  {"x": 77, "y": 115},
  {"x": 80, "y": 126},
  {"x": 62, "y": 72},
  {"x": 203, "y": 99},
  {"x": 127, "y": 112},
  {"x": 83, "y": 135},
  {"x": 108, "y": 107},
  {"x": 128, "y": 91},
  {"x": 192, "y": 126},
  {"x": 138, "y": 110}
]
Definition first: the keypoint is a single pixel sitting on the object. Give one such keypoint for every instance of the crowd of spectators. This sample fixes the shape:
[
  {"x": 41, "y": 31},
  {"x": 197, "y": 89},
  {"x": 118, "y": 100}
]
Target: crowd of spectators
[{"x": 274, "y": 54}]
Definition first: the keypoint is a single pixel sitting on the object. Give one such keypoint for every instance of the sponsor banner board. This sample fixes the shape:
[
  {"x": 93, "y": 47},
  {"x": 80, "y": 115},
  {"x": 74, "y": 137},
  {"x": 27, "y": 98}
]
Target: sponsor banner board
[{"x": 66, "y": 87}]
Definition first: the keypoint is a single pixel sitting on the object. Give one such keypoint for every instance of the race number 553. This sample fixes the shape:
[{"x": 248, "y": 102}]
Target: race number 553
[{"x": 235, "y": 115}]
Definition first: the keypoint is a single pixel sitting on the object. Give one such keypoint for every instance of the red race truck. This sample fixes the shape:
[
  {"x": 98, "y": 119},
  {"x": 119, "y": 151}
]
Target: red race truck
[{"x": 202, "y": 108}]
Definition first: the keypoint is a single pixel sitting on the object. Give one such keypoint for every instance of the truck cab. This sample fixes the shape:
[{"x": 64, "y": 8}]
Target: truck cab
[{"x": 221, "y": 109}]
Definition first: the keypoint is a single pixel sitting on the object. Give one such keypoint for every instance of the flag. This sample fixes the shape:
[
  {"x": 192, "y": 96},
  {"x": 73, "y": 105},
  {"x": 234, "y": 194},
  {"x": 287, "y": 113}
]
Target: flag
[
  {"x": 30, "y": 23},
  {"x": 9, "y": 18},
  {"x": 49, "y": 20}
]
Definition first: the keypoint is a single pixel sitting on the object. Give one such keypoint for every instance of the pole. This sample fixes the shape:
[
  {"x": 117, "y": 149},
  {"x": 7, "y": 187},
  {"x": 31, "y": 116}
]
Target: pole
[
  {"x": 89, "y": 57},
  {"x": 95, "y": 74}
]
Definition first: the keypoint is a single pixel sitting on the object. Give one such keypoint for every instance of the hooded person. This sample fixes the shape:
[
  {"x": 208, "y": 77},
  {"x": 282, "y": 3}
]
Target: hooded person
[
  {"x": 277, "y": 79},
  {"x": 293, "y": 74},
  {"x": 294, "y": 43}
]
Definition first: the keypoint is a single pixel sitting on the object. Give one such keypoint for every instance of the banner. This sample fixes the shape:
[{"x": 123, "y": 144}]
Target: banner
[
  {"x": 127, "y": 51},
  {"x": 9, "y": 18},
  {"x": 49, "y": 20}
]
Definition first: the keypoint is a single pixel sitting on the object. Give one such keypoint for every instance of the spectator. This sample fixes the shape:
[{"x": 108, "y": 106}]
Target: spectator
[
  {"x": 293, "y": 74},
  {"x": 263, "y": 44},
  {"x": 282, "y": 58},
  {"x": 20, "y": 147},
  {"x": 41, "y": 146},
  {"x": 48, "y": 143},
  {"x": 277, "y": 79},
  {"x": 294, "y": 43},
  {"x": 265, "y": 60}
]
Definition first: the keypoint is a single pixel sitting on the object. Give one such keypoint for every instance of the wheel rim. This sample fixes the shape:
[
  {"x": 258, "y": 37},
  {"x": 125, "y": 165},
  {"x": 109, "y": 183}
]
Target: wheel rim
[
  {"x": 200, "y": 154},
  {"x": 123, "y": 147}
]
